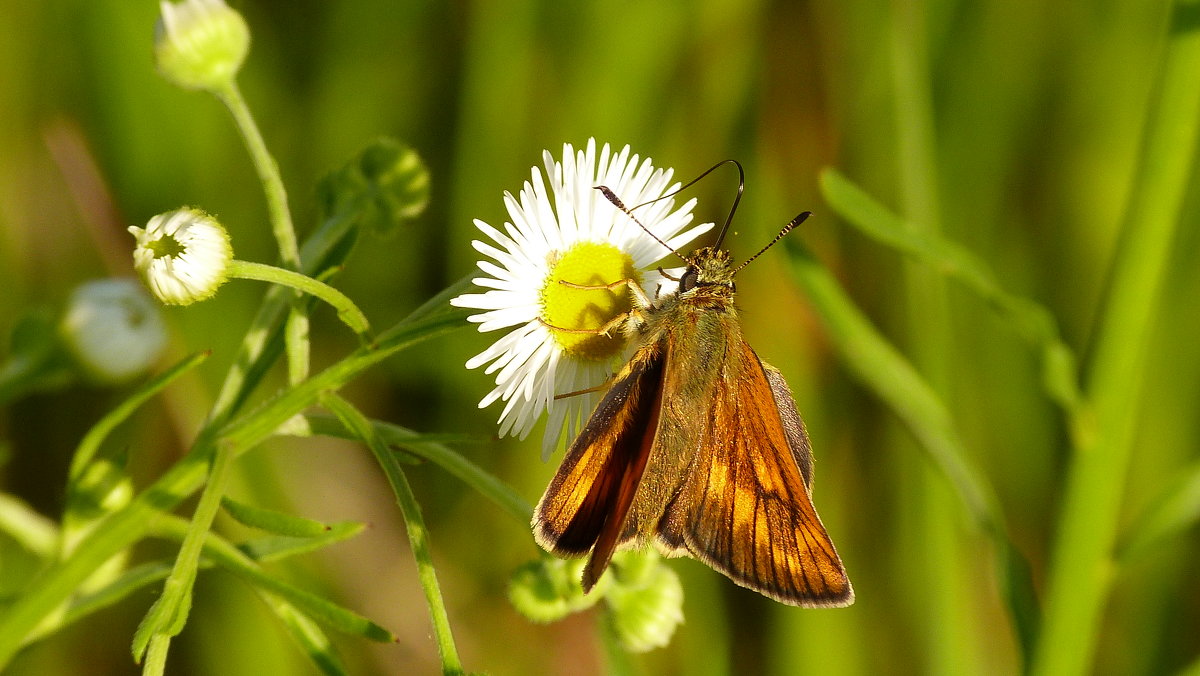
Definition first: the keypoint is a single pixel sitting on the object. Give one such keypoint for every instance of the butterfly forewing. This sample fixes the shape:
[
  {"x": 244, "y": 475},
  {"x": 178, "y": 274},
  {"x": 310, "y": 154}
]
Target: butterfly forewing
[
  {"x": 586, "y": 502},
  {"x": 745, "y": 509}
]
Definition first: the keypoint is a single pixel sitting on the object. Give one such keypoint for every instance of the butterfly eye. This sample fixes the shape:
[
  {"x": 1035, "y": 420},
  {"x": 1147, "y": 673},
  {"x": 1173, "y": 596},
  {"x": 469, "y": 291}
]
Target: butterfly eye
[{"x": 688, "y": 281}]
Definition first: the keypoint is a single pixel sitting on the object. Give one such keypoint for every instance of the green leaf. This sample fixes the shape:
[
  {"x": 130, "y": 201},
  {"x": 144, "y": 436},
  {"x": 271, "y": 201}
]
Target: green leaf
[
  {"x": 384, "y": 186},
  {"x": 99, "y": 432},
  {"x": 418, "y": 534},
  {"x": 30, "y": 529},
  {"x": 883, "y": 370},
  {"x": 274, "y": 548},
  {"x": 1031, "y": 321},
  {"x": 1176, "y": 510},
  {"x": 122, "y": 528},
  {"x": 260, "y": 550},
  {"x": 428, "y": 447},
  {"x": 128, "y": 582},
  {"x": 308, "y": 635},
  {"x": 225, "y": 554},
  {"x": 272, "y": 521}
]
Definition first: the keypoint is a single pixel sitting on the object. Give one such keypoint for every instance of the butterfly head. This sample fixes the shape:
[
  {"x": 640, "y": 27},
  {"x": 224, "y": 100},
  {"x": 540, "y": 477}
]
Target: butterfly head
[{"x": 711, "y": 269}]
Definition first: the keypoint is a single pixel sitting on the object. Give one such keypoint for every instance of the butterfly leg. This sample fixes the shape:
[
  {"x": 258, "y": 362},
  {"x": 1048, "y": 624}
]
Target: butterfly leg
[
  {"x": 605, "y": 330},
  {"x": 599, "y": 388},
  {"x": 636, "y": 289}
]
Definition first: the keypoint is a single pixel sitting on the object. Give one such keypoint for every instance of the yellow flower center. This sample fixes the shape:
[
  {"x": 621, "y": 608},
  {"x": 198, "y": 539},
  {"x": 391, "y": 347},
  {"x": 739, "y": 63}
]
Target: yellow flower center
[
  {"x": 166, "y": 247},
  {"x": 567, "y": 309}
]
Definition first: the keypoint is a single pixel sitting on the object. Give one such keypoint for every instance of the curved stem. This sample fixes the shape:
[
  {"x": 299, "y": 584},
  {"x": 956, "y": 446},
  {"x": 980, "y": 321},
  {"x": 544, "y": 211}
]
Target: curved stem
[
  {"x": 296, "y": 337},
  {"x": 169, "y": 614},
  {"x": 122, "y": 528},
  {"x": 268, "y": 173},
  {"x": 347, "y": 311},
  {"x": 418, "y": 534}
]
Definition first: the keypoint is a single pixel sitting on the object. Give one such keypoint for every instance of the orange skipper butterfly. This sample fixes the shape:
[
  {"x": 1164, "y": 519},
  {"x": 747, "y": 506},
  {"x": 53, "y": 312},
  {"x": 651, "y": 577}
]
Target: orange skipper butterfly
[{"x": 696, "y": 446}]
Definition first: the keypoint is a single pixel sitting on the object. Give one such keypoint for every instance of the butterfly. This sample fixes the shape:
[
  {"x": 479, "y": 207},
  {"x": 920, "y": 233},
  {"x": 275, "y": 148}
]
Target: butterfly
[{"x": 697, "y": 446}]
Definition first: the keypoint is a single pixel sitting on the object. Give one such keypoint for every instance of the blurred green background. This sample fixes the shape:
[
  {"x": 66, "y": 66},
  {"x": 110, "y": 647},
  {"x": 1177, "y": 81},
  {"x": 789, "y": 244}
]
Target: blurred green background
[{"x": 1031, "y": 112}]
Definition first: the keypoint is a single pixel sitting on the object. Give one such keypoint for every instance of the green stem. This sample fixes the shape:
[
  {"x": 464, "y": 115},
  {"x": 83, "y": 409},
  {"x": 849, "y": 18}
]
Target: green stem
[
  {"x": 281, "y": 223},
  {"x": 156, "y": 656},
  {"x": 418, "y": 535},
  {"x": 484, "y": 483},
  {"x": 296, "y": 338},
  {"x": 268, "y": 173},
  {"x": 347, "y": 311},
  {"x": 1081, "y": 565},
  {"x": 95, "y": 436},
  {"x": 255, "y": 354},
  {"x": 122, "y": 528},
  {"x": 169, "y": 614}
]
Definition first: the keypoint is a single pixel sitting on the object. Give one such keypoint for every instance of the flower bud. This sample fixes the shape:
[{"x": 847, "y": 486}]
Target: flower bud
[
  {"x": 547, "y": 590},
  {"x": 113, "y": 329},
  {"x": 182, "y": 255},
  {"x": 645, "y": 613},
  {"x": 200, "y": 44}
]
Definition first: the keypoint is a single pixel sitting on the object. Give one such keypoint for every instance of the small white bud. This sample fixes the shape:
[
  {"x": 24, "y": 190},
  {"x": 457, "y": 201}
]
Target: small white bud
[
  {"x": 200, "y": 44},
  {"x": 113, "y": 329},
  {"x": 182, "y": 255}
]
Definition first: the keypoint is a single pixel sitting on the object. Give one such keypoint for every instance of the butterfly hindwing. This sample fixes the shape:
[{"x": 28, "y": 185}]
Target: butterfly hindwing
[
  {"x": 793, "y": 425},
  {"x": 745, "y": 508}
]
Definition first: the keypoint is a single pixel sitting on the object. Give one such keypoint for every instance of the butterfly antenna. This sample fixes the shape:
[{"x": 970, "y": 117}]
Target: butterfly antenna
[
  {"x": 737, "y": 198},
  {"x": 786, "y": 229},
  {"x": 616, "y": 201}
]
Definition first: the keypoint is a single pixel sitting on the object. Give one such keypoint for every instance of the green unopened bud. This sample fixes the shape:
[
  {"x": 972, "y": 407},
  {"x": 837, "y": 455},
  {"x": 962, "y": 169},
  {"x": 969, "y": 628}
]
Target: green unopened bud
[
  {"x": 646, "y": 611},
  {"x": 200, "y": 44},
  {"x": 547, "y": 590},
  {"x": 182, "y": 255},
  {"x": 113, "y": 329}
]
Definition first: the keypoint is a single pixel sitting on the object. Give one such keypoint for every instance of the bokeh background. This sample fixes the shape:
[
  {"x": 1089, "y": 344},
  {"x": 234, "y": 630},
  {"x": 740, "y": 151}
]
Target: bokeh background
[{"x": 1027, "y": 115}]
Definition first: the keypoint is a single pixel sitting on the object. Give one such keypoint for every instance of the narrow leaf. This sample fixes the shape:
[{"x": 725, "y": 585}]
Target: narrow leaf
[
  {"x": 272, "y": 521},
  {"x": 99, "y": 432},
  {"x": 1176, "y": 510},
  {"x": 279, "y": 547},
  {"x": 308, "y": 635},
  {"x": 410, "y": 509},
  {"x": 1033, "y": 323},
  {"x": 225, "y": 554},
  {"x": 883, "y": 370},
  {"x": 423, "y": 446}
]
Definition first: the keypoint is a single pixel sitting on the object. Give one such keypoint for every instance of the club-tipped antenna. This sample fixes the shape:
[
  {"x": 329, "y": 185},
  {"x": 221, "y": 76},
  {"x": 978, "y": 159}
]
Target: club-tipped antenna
[
  {"x": 786, "y": 229},
  {"x": 616, "y": 201},
  {"x": 736, "y": 199}
]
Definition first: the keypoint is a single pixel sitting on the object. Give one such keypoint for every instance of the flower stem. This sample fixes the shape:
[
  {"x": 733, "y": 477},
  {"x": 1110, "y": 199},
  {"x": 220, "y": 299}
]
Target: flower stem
[
  {"x": 169, "y": 614},
  {"x": 122, "y": 528},
  {"x": 296, "y": 337},
  {"x": 418, "y": 536},
  {"x": 268, "y": 173},
  {"x": 347, "y": 311}
]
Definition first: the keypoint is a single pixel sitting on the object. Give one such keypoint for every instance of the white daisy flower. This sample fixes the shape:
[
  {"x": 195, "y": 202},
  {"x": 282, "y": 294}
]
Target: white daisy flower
[
  {"x": 113, "y": 329},
  {"x": 182, "y": 255},
  {"x": 569, "y": 232}
]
